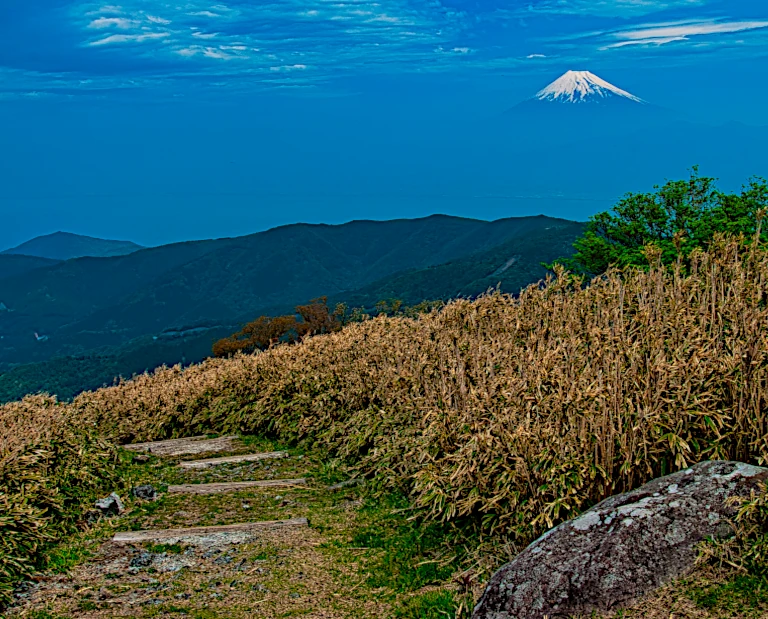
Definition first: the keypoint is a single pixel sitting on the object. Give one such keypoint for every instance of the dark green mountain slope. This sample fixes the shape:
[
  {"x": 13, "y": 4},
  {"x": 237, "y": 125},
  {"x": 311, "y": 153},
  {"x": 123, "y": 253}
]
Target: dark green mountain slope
[
  {"x": 66, "y": 377},
  {"x": 69, "y": 290},
  {"x": 64, "y": 245},
  {"x": 511, "y": 266},
  {"x": 11, "y": 264},
  {"x": 90, "y": 303}
]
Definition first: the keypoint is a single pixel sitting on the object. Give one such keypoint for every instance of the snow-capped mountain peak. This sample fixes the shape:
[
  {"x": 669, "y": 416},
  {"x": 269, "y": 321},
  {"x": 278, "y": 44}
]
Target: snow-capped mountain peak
[{"x": 583, "y": 87}]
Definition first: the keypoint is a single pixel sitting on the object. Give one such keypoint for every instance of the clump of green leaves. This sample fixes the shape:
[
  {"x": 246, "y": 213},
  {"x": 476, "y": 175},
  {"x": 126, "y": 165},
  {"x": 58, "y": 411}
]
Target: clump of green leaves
[{"x": 677, "y": 218}]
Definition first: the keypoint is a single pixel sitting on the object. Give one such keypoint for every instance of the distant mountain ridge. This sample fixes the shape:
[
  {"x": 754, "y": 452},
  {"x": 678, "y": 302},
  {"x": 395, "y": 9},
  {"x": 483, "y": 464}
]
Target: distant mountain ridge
[
  {"x": 511, "y": 266},
  {"x": 65, "y": 246},
  {"x": 93, "y": 303}
]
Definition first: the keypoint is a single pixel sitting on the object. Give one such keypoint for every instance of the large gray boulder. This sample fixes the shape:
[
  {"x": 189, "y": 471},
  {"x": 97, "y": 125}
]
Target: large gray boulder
[{"x": 621, "y": 549}]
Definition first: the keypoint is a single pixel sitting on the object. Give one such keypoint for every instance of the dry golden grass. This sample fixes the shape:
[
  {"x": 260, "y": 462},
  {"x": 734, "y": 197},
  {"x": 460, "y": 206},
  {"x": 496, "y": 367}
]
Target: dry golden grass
[
  {"x": 50, "y": 464},
  {"x": 510, "y": 413},
  {"x": 517, "y": 412},
  {"x": 33, "y": 420}
]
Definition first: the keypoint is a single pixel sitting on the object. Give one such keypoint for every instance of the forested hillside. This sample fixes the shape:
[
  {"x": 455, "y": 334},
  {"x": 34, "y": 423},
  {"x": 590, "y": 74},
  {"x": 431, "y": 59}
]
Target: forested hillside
[{"x": 90, "y": 303}]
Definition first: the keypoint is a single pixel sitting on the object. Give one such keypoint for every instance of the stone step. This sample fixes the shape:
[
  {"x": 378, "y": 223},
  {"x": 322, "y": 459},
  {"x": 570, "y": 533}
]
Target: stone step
[
  {"x": 185, "y": 446},
  {"x": 234, "y": 486},
  {"x": 201, "y": 464},
  {"x": 205, "y": 536}
]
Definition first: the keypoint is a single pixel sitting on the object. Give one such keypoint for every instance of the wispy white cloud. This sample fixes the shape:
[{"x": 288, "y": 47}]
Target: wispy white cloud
[
  {"x": 689, "y": 30},
  {"x": 647, "y": 42},
  {"x": 462, "y": 51},
  {"x": 662, "y": 34},
  {"x": 293, "y": 67},
  {"x": 606, "y": 8},
  {"x": 129, "y": 38},
  {"x": 114, "y": 22},
  {"x": 282, "y": 35},
  {"x": 204, "y": 14}
]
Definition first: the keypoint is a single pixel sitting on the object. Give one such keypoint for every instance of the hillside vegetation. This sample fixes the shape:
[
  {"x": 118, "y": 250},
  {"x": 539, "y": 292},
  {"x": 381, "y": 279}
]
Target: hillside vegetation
[
  {"x": 67, "y": 377},
  {"x": 91, "y": 303},
  {"x": 677, "y": 218},
  {"x": 510, "y": 267},
  {"x": 503, "y": 415}
]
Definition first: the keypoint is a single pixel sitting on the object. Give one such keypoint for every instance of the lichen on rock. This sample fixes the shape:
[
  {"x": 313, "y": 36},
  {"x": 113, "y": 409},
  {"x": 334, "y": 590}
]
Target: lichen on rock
[{"x": 624, "y": 547}]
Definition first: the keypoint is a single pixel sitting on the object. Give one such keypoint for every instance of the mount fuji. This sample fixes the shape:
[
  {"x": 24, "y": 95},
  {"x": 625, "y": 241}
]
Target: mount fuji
[
  {"x": 579, "y": 102},
  {"x": 584, "y": 87}
]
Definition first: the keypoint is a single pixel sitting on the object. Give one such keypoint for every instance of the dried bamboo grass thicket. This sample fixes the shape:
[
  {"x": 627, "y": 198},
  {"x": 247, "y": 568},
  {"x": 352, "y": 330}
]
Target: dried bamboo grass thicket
[
  {"x": 515, "y": 412},
  {"x": 51, "y": 464},
  {"x": 510, "y": 413}
]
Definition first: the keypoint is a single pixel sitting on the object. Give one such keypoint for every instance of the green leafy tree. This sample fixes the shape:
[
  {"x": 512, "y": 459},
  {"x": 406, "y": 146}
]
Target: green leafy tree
[{"x": 676, "y": 217}]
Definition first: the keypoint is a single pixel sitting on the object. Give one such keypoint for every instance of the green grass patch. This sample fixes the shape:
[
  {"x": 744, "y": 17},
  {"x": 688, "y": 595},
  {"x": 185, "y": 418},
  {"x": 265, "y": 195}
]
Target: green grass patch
[
  {"x": 174, "y": 549},
  {"x": 411, "y": 555},
  {"x": 265, "y": 555},
  {"x": 331, "y": 472},
  {"x": 743, "y": 595},
  {"x": 62, "y": 558},
  {"x": 432, "y": 605},
  {"x": 87, "y": 605}
]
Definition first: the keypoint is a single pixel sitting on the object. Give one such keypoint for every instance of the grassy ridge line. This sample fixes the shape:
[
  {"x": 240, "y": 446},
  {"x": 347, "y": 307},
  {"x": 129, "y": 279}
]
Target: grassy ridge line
[{"x": 512, "y": 413}]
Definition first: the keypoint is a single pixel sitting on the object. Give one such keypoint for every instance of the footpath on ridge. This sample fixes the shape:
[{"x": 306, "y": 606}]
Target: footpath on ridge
[
  {"x": 226, "y": 536},
  {"x": 233, "y": 528}
]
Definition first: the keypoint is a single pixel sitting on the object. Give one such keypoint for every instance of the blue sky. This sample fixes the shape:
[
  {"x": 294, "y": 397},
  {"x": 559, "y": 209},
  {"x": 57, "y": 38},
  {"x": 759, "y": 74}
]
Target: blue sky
[{"x": 227, "y": 116}]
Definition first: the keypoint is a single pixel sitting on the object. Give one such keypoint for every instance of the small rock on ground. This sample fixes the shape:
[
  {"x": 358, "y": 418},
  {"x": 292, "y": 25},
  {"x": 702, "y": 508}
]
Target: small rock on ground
[
  {"x": 110, "y": 506},
  {"x": 145, "y": 492}
]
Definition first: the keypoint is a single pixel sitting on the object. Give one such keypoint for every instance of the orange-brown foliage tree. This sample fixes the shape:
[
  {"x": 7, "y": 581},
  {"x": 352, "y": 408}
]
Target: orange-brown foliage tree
[{"x": 264, "y": 332}]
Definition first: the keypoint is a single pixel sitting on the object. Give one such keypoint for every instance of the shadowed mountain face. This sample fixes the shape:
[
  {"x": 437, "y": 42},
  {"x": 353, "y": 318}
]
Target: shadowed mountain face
[
  {"x": 90, "y": 303},
  {"x": 510, "y": 267},
  {"x": 64, "y": 246},
  {"x": 11, "y": 264}
]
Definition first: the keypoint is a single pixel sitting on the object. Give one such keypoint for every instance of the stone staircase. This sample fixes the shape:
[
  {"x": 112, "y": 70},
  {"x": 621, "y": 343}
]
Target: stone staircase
[
  {"x": 215, "y": 528},
  {"x": 220, "y": 534}
]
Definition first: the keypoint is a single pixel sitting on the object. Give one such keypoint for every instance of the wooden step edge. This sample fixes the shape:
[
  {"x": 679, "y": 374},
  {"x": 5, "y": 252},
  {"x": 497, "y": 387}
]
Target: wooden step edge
[
  {"x": 234, "y": 486},
  {"x": 201, "y": 464},
  {"x": 128, "y": 537},
  {"x": 171, "y": 444},
  {"x": 172, "y": 441}
]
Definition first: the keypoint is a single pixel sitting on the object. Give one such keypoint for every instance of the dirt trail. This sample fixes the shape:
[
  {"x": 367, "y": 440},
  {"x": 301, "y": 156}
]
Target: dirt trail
[
  {"x": 264, "y": 572},
  {"x": 330, "y": 557}
]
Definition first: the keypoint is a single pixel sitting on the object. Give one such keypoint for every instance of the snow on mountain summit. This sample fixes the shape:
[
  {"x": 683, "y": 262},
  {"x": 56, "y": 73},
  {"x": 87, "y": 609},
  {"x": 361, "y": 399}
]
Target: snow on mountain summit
[{"x": 583, "y": 87}]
